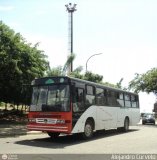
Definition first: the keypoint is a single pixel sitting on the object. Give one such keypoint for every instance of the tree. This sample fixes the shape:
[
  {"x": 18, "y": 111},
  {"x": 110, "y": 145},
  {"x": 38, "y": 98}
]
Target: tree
[
  {"x": 61, "y": 71},
  {"x": 146, "y": 82},
  {"x": 67, "y": 64},
  {"x": 109, "y": 84},
  {"x": 119, "y": 84},
  {"x": 56, "y": 71},
  {"x": 20, "y": 64},
  {"x": 93, "y": 77},
  {"x": 77, "y": 73}
]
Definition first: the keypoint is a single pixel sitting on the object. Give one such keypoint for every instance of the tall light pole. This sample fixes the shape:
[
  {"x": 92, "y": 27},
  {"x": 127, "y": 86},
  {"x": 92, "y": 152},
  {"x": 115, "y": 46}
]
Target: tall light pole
[
  {"x": 90, "y": 58},
  {"x": 71, "y": 9}
]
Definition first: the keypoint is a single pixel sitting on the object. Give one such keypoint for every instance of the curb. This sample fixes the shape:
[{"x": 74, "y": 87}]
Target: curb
[{"x": 34, "y": 132}]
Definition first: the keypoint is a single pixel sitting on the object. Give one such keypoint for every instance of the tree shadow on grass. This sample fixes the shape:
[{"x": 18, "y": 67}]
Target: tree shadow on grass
[
  {"x": 13, "y": 131},
  {"x": 12, "y": 128}
]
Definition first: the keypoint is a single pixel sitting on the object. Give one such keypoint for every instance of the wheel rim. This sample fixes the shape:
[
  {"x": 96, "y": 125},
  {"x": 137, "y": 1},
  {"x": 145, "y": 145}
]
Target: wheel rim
[{"x": 88, "y": 130}]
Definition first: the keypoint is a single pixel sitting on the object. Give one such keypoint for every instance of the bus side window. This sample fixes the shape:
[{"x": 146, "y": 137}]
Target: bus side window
[
  {"x": 111, "y": 98},
  {"x": 79, "y": 100},
  {"x": 120, "y": 99},
  {"x": 80, "y": 95},
  {"x": 137, "y": 101},
  {"x": 134, "y": 101},
  {"x": 100, "y": 97},
  {"x": 127, "y": 100},
  {"x": 90, "y": 96}
]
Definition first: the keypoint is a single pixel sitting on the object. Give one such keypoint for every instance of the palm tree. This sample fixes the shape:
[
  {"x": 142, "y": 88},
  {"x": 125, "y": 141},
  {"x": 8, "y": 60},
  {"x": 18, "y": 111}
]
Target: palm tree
[
  {"x": 65, "y": 70},
  {"x": 67, "y": 65}
]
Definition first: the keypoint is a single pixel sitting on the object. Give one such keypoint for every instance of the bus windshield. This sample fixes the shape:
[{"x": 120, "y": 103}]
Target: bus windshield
[{"x": 51, "y": 98}]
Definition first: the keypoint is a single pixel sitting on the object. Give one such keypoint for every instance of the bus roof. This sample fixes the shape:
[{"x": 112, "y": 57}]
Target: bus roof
[
  {"x": 67, "y": 79},
  {"x": 100, "y": 85}
]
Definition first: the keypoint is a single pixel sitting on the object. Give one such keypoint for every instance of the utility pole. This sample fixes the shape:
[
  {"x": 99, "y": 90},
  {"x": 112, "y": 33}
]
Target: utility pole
[{"x": 71, "y": 9}]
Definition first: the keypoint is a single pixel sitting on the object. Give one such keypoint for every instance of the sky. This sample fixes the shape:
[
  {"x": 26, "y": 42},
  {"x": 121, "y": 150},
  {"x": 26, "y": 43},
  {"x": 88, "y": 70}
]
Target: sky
[{"x": 124, "y": 31}]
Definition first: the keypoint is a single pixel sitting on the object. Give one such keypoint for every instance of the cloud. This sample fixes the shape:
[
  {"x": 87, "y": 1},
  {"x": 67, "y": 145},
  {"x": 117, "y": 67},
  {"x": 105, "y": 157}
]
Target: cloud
[{"x": 6, "y": 8}]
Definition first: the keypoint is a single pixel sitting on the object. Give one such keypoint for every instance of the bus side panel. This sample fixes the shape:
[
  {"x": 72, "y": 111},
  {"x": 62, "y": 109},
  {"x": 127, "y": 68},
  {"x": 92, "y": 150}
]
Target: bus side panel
[
  {"x": 106, "y": 117},
  {"x": 135, "y": 116},
  {"x": 132, "y": 113},
  {"x": 79, "y": 126},
  {"x": 122, "y": 113}
]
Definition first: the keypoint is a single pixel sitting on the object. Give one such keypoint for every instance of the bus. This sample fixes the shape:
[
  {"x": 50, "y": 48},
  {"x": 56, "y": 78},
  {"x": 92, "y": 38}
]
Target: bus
[{"x": 69, "y": 105}]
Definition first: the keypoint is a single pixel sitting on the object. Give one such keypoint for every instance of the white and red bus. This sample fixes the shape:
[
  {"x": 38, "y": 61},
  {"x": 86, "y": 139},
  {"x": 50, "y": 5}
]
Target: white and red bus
[{"x": 70, "y": 105}]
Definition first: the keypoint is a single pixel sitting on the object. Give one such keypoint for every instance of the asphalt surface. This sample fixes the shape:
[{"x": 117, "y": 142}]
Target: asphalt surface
[
  {"x": 13, "y": 130},
  {"x": 140, "y": 139}
]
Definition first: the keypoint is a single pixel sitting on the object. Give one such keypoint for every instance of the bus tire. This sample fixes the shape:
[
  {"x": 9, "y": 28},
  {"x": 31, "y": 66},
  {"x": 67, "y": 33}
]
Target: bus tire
[
  {"x": 88, "y": 130},
  {"x": 126, "y": 125},
  {"x": 53, "y": 134},
  {"x": 125, "y": 128}
]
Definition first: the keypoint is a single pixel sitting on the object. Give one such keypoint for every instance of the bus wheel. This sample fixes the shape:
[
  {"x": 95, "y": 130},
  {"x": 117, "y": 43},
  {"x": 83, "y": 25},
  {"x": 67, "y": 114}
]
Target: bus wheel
[
  {"x": 125, "y": 128},
  {"x": 53, "y": 134},
  {"x": 126, "y": 125},
  {"x": 88, "y": 130}
]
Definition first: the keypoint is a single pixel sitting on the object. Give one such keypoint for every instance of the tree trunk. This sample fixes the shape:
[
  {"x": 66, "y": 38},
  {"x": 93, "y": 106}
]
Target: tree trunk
[
  {"x": 6, "y": 106},
  {"x": 22, "y": 108},
  {"x": 17, "y": 107}
]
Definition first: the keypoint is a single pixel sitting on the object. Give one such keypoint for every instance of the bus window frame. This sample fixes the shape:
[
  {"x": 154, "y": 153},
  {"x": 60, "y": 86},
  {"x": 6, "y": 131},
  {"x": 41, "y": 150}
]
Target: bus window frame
[
  {"x": 102, "y": 96},
  {"x": 86, "y": 94},
  {"x": 76, "y": 103}
]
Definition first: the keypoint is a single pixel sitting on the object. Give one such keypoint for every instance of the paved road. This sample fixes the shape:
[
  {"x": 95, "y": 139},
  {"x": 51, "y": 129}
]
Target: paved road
[{"x": 140, "y": 139}]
